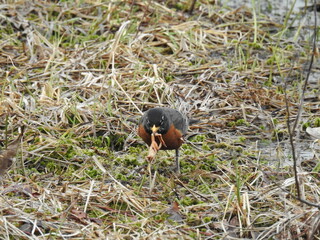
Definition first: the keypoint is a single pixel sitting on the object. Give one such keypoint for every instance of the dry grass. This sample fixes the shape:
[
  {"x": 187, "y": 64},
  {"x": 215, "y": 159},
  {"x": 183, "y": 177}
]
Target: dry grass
[{"x": 79, "y": 74}]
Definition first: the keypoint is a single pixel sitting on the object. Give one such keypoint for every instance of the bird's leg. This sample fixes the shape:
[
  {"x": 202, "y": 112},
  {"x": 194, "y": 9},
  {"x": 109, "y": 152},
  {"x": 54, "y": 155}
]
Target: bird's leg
[{"x": 177, "y": 169}]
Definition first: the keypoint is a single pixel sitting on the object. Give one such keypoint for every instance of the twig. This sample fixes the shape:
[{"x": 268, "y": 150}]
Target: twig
[
  {"x": 289, "y": 193},
  {"x": 292, "y": 130},
  {"x": 309, "y": 69},
  {"x": 192, "y": 6},
  {"x": 291, "y": 138},
  {"x": 88, "y": 197}
]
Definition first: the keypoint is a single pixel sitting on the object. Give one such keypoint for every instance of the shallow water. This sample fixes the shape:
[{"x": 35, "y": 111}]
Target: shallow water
[
  {"x": 271, "y": 7},
  {"x": 299, "y": 20},
  {"x": 300, "y": 28}
]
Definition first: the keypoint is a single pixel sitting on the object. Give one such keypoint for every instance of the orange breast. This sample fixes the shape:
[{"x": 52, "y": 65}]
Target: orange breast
[
  {"x": 146, "y": 137},
  {"x": 173, "y": 138}
]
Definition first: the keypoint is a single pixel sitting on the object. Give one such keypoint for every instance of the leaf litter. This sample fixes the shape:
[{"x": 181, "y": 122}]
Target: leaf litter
[{"x": 79, "y": 75}]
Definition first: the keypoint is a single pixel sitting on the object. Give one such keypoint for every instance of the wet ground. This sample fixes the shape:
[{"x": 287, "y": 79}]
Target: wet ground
[
  {"x": 298, "y": 13},
  {"x": 274, "y": 8},
  {"x": 301, "y": 22}
]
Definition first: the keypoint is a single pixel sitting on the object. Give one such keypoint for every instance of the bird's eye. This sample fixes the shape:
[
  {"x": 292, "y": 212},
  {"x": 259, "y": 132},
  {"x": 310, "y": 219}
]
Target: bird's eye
[{"x": 162, "y": 120}]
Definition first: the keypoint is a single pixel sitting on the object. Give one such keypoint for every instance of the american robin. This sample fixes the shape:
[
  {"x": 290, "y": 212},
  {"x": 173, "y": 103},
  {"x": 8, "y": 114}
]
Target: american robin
[{"x": 169, "y": 123}]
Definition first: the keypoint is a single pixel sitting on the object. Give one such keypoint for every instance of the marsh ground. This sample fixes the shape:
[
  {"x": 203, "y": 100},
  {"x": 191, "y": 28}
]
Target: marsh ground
[{"x": 78, "y": 75}]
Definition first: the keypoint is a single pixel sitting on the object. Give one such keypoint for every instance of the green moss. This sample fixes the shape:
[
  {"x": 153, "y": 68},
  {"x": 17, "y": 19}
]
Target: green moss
[
  {"x": 207, "y": 219},
  {"x": 121, "y": 177},
  {"x": 169, "y": 78},
  {"x": 271, "y": 60},
  {"x": 199, "y": 138},
  {"x": 209, "y": 163},
  {"x": 52, "y": 166},
  {"x": 70, "y": 170},
  {"x": 29, "y": 210},
  {"x": 193, "y": 219},
  {"x": 192, "y": 182},
  {"x": 88, "y": 152},
  {"x": 71, "y": 152},
  {"x": 316, "y": 169},
  {"x": 119, "y": 205},
  {"x": 128, "y": 160},
  {"x": 97, "y": 141},
  {"x": 188, "y": 150},
  {"x": 278, "y": 134},
  {"x": 231, "y": 124},
  {"x": 187, "y": 167},
  {"x": 317, "y": 122},
  {"x": 204, "y": 189},
  {"x": 221, "y": 145},
  {"x": 159, "y": 217},
  {"x": 280, "y": 90},
  {"x": 238, "y": 149},
  {"x": 92, "y": 173},
  {"x": 240, "y": 122},
  {"x": 180, "y": 6},
  {"x": 135, "y": 150},
  {"x": 117, "y": 141},
  {"x": 205, "y": 147},
  {"x": 268, "y": 83},
  {"x": 188, "y": 201},
  {"x": 305, "y": 125},
  {"x": 256, "y": 46},
  {"x": 290, "y": 47},
  {"x": 242, "y": 139}
]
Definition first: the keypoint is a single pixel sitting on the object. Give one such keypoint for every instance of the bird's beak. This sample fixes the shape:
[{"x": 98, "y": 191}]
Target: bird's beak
[{"x": 154, "y": 129}]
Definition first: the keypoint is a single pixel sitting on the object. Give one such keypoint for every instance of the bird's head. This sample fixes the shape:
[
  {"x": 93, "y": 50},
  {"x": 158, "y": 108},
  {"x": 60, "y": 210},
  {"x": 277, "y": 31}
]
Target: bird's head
[{"x": 156, "y": 121}]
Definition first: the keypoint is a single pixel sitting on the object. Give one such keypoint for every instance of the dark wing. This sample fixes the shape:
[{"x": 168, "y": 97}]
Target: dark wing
[
  {"x": 142, "y": 120},
  {"x": 179, "y": 120}
]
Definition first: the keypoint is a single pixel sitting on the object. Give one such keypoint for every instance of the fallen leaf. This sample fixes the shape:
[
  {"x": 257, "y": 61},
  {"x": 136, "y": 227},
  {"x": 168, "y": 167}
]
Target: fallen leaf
[
  {"x": 7, "y": 155},
  {"x": 160, "y": 139},
  {"x": 19, "y": 188},
  {"x": 37, "y": 227},
  {"x": 174, "y": 213},
  {"x": 151, "y": 154},
  {"x": 153, "y": 149},
  {"x": 78, "y": 215}
]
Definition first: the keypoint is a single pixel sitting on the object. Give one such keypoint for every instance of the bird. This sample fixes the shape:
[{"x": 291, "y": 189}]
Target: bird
[{"x": 170, "y": 124}]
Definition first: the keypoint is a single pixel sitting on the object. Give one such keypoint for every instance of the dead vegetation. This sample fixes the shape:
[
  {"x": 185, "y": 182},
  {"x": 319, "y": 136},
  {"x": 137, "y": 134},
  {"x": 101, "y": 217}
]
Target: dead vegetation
[{"x": 78, "y": 75}]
